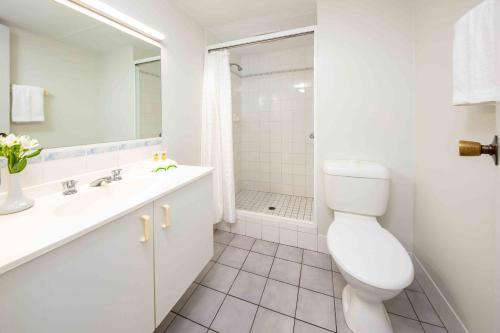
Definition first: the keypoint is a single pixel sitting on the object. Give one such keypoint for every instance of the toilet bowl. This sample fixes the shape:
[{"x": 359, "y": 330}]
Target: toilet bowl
[
  {"x": 373, "y": 262},
  {"x": 375, "y": 266}
]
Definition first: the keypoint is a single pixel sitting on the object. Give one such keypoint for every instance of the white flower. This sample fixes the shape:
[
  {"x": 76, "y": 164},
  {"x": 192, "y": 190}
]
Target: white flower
[
  {"x": 9, "y": 141},
  {"x": 27, "y": 143}
]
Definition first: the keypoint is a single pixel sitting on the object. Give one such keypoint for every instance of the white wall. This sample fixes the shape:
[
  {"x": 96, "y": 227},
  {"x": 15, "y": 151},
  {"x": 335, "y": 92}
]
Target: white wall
[
  {"x": 365, "y": 94},
  {"x": 182, "y": 61},
  {"x": 4, "y": 78},
  {"x": 276, "y": 121},
  {"x": 455, "y": 196},
  {"x": 116, "y": 95}
]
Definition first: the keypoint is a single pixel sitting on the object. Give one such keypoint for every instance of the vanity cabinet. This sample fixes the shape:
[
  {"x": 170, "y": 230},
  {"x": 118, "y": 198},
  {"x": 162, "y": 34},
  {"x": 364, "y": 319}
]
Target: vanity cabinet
[
  {"x": 183, "y": 232},
  {"x": 101, "y": 282},
  {"x": 122, "y": 277}
]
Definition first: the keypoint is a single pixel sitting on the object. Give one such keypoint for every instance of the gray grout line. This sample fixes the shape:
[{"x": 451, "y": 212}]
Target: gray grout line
[
  {"x": 420, "y": 320},
  {"x": 191, "y": 320},
  {"x": 412, "y": 307},
  {"x": 178, "y": 313},
  {"x": 244, "y": 300},
  {"x": 300, "y": 263},
  {"x": 423, "y": 322},
  {"x": 413, "y": 319},
  {"x": 328, "y": 270},
  {"x": 263, "y": 290},
  {"x": 335, "y": 308},
  {"x": 242, "y": 248},
  {"x": 326, "y": 329},
  {"x": 298, "y": 291},
  {"x": 428, "y": 300},
  {"x": 299, "y": 287},
  {"x": 231, "y": 286}
]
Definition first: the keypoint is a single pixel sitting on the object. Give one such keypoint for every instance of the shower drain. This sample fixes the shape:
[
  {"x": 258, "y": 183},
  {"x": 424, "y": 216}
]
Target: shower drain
[{"x": 271, "y": 208}]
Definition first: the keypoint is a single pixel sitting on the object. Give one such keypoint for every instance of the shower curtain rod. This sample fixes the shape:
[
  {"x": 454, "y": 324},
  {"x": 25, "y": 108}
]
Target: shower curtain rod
[{"x": 264, "y": 39}]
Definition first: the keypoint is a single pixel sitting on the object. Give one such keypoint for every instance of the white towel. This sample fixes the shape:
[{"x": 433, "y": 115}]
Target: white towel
[
  {"x": 27, "y": 104},
  {"x": 476, "y": 55}
]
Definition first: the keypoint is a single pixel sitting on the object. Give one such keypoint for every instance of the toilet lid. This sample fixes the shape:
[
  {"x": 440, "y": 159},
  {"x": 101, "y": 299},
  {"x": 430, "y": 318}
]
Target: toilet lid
[{"x": 368, "y": 252}]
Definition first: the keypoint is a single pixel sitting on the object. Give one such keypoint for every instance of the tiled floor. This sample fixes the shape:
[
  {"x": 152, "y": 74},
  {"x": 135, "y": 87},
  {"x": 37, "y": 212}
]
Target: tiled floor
[
  {"x": 257, "y": 286},
  {"x": 291, "y": 206}
]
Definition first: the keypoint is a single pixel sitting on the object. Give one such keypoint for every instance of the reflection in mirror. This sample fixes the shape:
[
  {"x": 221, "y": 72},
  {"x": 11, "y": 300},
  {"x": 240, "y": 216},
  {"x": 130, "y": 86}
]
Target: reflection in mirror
[
  {"x": 148, "y": 97},
  {"x": 72, "y": 80}
]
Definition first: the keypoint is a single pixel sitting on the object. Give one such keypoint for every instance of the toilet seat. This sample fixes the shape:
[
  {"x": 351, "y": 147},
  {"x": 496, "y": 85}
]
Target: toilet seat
[{"x": 368, "y": 252}]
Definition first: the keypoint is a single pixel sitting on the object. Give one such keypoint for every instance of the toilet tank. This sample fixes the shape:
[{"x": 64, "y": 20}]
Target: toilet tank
[{"x": 357, "y": 187}]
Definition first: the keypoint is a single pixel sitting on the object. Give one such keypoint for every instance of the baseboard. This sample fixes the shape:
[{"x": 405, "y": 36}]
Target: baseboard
[{"x": 448, "y": 315}]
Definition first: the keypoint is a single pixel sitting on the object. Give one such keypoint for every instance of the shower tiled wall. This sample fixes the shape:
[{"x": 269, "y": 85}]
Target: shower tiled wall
[{"x": 276, "y": 121}]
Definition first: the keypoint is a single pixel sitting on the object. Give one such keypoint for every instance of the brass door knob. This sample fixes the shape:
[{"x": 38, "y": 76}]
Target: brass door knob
[
  {"x": 472, "y": 148},
  {"x": 469, "y": 148}
]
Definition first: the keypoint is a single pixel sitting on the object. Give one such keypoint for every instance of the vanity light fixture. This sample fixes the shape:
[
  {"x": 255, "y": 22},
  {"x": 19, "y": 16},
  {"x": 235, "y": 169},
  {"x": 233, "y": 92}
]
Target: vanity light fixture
[{"x": 107, "y": 14}]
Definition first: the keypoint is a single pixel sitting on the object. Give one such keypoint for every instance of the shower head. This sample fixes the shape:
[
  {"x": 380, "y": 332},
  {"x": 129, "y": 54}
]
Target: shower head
[{"x": 238, "y": 67}]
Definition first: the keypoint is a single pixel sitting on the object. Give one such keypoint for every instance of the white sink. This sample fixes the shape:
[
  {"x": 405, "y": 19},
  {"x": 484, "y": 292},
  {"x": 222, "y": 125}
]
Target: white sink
[
  {"x": 92, "y": 200},
  {"x": 84, "y": 203}
]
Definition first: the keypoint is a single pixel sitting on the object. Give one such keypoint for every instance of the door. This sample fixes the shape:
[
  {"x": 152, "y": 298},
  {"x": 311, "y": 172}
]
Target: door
[
  {"x": 183, "y": 241},
  {"x": 101, "y": 282}
]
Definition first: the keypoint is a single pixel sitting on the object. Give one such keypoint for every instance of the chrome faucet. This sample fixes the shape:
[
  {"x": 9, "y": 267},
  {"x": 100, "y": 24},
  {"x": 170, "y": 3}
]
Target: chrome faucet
[
  {"x": 69, "y": 187},
  {"x": 116, "y": 174},
  {"x": 100, "y": 181}
]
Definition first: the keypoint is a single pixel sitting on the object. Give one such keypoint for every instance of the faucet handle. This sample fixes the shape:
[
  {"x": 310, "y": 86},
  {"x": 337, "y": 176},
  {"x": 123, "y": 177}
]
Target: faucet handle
[
  {"x": 69, "y": 187},
  {"x": 116, "y": 174}
]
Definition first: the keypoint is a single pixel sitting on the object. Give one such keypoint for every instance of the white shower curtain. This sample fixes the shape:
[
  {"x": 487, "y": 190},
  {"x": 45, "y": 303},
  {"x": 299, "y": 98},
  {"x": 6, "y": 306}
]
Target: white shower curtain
[{"x": 217, "y": 133}]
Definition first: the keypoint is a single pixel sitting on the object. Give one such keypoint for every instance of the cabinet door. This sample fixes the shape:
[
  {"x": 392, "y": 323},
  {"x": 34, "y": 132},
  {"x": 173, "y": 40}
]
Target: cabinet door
[
  {"x": 183, "y": 241},
  {"x": 101, "y": 282}
]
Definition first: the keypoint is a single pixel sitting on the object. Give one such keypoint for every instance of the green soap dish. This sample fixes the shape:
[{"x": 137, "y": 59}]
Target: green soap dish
[{"x": 165, "y": 168}]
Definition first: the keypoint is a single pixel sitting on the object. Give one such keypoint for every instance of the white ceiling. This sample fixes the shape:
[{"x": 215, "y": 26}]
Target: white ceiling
[{"x": 231, "y": 19}]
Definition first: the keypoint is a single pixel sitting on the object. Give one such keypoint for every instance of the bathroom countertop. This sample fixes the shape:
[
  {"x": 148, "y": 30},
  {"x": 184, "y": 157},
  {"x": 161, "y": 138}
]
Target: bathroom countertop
[{"x": 36, "y": 231}]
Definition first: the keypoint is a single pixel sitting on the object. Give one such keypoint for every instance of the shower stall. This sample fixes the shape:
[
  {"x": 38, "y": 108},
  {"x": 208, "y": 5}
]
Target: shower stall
[{"x": 273, "y": 123}]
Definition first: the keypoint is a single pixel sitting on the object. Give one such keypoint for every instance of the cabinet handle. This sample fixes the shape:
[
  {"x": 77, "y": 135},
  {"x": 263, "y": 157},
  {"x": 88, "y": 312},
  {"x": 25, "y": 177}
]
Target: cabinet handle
[
  {"x": 145, "y": 222},
  {"x": 166, "y": 221}
]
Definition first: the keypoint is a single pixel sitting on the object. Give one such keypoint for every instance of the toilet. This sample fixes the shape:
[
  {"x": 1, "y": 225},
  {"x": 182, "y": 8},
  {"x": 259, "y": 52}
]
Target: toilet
[{"x": 372, "y": 261}]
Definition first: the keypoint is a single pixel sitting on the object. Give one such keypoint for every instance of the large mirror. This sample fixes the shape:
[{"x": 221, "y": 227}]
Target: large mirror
[{"x": 67, "y": 79}]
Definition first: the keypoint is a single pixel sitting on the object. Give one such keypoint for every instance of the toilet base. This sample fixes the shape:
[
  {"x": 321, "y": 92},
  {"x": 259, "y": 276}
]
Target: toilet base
[{"x": 362, "y": 316}]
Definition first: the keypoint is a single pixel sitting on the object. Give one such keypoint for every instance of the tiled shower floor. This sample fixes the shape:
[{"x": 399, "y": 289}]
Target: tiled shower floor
[
  {"x": 290, "y": 206},
  {"x": 262, "y": 287}
]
